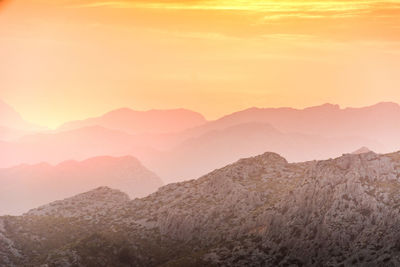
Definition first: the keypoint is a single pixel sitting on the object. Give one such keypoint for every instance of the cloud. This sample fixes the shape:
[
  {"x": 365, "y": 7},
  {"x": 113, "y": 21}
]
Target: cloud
[
  {"x": 246, "y": 5},
  {"x": 333, "y": 21}
]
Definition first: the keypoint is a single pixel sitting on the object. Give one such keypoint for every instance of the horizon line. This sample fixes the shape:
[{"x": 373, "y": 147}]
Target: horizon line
[{"x": 338, "y": 106}]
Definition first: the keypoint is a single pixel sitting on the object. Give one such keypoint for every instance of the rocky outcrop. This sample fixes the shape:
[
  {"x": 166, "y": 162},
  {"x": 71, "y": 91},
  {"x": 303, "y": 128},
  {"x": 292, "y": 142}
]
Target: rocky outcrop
[
  {"x": 260, "y": 211},
  {"x": 8, "y": 252},
  {"x": 99, "y": 201}
]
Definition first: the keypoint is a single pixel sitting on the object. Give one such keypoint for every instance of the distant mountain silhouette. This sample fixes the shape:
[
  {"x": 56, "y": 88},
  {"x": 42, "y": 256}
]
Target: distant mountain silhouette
[
  {"x": 199, "y": 155},
  {"x": 139, "y": 122},
  {"x": 298, "y": 134},
  {"x": 380, "y": 122},
  {"x": 27, "y": 186},
  {"x": 186, "y": 158},
  {"x": 362, "y": 150},
  {"x": 11, "y": 119},
  {"x": 71, "y": 145}
]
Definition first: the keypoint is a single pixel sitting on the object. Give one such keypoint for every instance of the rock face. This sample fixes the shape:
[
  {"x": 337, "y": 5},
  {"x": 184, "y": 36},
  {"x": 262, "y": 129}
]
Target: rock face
[{"x": 260, "y": 211}]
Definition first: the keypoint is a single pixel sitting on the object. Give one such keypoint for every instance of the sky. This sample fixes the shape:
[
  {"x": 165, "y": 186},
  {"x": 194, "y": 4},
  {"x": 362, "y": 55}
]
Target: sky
[{"x": 72, "y": 59}]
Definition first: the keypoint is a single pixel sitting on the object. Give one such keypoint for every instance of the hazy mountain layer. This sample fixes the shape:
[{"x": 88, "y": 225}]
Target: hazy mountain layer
[
  {"x": 299, "y": 135},
  {"x": 260, "y": 211},
  {"x": 27, "y": 186},
  {"x": 200, "y": 155},
  {"x": 12, "y": 125},
  {"x": 185, "y": 159},
  {"x": 77, "y": 144},
  {"x": 380, "y": 122},
  {"x": 139, "y": 122}
]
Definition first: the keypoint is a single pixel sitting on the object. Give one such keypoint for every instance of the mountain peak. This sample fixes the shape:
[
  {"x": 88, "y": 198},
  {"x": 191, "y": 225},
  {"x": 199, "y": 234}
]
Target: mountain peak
[
  {"x": 103, "y": 198},
  {"x": 326, "y": 106},
  {"x": 271, "y": 157},
  {"x": 266, "y": 159},
  {"x": 387, "y": 105},
  {"x": 362, "y": 150},
  {"x": 102, "y": 192}
]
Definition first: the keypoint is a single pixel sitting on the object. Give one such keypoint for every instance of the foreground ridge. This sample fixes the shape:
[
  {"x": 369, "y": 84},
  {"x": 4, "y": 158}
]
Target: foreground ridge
[{"x": 260, "y": 211}]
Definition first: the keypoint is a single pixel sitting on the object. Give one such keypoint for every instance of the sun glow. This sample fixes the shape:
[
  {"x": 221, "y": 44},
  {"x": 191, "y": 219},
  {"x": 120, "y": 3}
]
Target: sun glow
[{"x": 214, "y": 57}]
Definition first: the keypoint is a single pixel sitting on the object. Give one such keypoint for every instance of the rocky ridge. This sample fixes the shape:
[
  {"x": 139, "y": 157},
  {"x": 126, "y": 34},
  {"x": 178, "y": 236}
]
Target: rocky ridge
[
  {"x": 98, "y": 201},
  {"x": 260, "y": 211}
]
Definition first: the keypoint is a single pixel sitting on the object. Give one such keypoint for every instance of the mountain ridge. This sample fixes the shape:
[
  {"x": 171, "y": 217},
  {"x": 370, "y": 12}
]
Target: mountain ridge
[
  {"x": 140, "y": 122},
  {"x": 257, "y": 211},
  {"x": 246, "y": 140},
  {"x": 12, "y": 124},
  {"x": 24, "y": 187},
  {"x": 327, "y": 120}
]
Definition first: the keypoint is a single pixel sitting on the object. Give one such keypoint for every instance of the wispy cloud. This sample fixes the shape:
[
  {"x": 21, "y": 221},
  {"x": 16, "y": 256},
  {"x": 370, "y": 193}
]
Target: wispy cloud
[
  {"x": 294, "y": 21},
  {"x": 262, "y": 11},
  {"x": 246, "y": 5}
]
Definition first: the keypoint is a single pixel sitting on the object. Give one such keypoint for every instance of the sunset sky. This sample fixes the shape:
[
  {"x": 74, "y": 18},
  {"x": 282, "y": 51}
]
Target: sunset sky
[{"x": 70, "y": 59}]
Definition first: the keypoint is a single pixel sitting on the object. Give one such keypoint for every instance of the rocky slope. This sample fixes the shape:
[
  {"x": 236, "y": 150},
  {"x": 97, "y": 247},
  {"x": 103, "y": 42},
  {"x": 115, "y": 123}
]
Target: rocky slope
[
  {"x": 260, "y": 211},
  {"x": 100, "y": 200}
]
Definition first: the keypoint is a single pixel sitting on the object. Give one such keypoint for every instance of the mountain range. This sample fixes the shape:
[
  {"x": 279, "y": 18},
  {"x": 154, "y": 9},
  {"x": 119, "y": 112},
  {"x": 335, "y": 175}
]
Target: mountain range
[
  {"x": 27, "y": 186},
  {"x": 199, "y": 155},
  {"x": 176, "y": 144},
  {"x": 380, "y": 122},
  {"x": 76, "y": 144},
  {"x": 142, "y": 122},
  {"x": 259, "y": 211}
]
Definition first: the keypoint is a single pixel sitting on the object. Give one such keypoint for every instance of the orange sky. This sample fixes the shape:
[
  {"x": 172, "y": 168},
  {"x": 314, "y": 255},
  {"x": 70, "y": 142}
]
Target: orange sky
[{"x": 70, "y": 59}]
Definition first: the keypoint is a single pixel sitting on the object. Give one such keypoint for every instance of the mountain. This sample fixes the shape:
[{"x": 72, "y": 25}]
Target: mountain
[
  {"x": 142, "y": 122},
  {"x": 179, "y": 159},
  {"x": 103, "y": 198},
  {"x": 299, "y": 135},
  {"x": 12, "y": 125},
  {"x": 200, "y": 155},
  {"x": 10, "y": 118},
  {"x": 77, "y": 144},
  {"x": 380, "y": 122},
  {"x": 260, "y": 211},
  {"x": 362, "y": 150},
  {"x": 27, "y": 186}
]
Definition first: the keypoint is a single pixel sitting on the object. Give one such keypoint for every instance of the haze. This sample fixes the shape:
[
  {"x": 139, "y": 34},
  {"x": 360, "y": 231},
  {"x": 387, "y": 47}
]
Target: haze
[{"x": 65, "y": 60}]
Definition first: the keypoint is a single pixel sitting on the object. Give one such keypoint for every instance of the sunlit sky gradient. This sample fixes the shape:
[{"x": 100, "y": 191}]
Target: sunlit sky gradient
[{"x": 66, "y": 59}]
